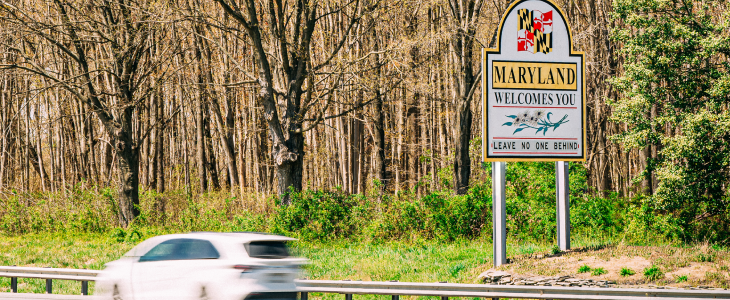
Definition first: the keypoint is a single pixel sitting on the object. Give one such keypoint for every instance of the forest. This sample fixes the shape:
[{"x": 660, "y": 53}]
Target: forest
[{"x": 141, "y": 102}]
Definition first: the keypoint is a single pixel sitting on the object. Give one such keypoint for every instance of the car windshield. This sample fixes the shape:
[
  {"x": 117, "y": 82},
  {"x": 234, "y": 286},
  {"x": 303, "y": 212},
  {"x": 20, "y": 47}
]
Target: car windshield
[{"x": 267, "y": 249}]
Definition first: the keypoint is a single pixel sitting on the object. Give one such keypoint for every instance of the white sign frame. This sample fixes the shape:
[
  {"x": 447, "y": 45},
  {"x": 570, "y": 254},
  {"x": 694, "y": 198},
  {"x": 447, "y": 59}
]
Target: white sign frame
[{"x": 554, "y": 148}]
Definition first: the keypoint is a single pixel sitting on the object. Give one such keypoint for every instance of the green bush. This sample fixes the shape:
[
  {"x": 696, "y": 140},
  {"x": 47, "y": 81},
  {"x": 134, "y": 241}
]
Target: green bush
[
  {"x": 327, "y": 215},
  {"x": 317, "y": 215},
  {"x": 653, "y": 273},
  {"x": 584, "y": 269},
  {"x": 78, "y": 210},
  {"x": 333, "y": 214},
  {"x": 598, "y": 271},
  {"x": 627, "y": 272}
]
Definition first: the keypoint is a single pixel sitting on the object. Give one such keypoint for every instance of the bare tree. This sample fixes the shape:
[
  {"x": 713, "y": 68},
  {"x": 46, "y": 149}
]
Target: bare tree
[
  {"x": 283, "y": 56},
  {"x": 101, "y": 41},
  {"x": 464, "y": 17}
]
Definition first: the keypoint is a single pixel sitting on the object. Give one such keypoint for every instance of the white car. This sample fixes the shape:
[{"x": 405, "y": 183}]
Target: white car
[{"x": 215, "y": 266}]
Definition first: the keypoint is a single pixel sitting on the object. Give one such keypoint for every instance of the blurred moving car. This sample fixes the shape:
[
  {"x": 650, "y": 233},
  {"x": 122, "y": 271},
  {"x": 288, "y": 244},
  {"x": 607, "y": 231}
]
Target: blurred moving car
[{"x": 214, "y": 266}]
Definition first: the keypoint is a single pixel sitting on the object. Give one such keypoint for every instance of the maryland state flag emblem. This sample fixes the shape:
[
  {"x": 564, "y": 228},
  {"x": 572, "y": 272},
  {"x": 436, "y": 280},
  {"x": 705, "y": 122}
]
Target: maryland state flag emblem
[{"x": 534, "y": 31}]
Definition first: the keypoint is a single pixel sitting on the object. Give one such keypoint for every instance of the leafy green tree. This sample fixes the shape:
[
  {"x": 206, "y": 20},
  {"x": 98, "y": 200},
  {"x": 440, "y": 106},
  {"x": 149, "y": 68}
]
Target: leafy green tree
[{"x": 675, "y": 91}]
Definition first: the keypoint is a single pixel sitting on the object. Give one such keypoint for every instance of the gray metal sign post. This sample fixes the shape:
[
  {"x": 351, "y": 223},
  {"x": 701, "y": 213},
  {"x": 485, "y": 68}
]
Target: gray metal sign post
[
  {"x": 499, "y": 215},
  {"x": 562, "y": 197}
]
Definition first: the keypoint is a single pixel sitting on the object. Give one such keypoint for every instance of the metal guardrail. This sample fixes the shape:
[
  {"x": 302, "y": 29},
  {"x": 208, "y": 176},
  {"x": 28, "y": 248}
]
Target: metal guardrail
[
  {"x": 12, "y": 296},
  {"x": 501, "y": 291},
  {"x": 49, "y": 274},
  {"x": 395, "y": 289}
]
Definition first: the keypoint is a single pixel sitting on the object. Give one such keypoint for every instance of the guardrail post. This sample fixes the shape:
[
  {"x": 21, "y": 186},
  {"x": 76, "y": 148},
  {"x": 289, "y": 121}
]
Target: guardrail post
[
  {"x": 303, "y": 296},
  {"x": 85, "y": 288},
  {"x": 49, "y": 286},
  {"x": 444, "y": 298},
  {"x": 14, "y": 284},
  {"x": 348, "y": 296},
  {"x": 394, "y": 297}
]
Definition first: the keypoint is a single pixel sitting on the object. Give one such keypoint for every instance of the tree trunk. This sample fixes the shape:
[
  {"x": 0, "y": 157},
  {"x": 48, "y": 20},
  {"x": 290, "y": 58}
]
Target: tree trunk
[
  {"x": 153, "y": 143},
  {"x": 212, "y": 165},
  {"x": 4, "y": 92},
  {"x": 200, "y": 138},
  {"x": 379, "y": 139},
  {"x": 160, "y": 144},
  {"x": 289, "y": 173},
  {"x": 356, "y": 142},
  {"x": 128, "y": 159},
  {"x": 462, "y": 161}
]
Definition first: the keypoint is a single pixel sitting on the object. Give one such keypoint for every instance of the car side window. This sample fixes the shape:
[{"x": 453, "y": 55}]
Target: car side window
[{"x": 179, "y": 249}]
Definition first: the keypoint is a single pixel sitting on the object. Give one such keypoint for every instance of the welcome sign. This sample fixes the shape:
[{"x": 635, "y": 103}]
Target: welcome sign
[{"x": 534, "y": 91}]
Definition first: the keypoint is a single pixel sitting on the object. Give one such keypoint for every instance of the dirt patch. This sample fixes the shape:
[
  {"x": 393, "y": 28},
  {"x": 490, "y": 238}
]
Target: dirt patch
[
  {"x": 696, "y": 272},
  {"x": 678, "y": 266}
]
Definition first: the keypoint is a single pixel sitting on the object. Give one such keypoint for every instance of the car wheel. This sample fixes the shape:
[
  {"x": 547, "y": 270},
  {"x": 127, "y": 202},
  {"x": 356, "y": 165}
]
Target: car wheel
[
  {"x": 115, "y": 293},
  {"x": 203, "y": 294}
]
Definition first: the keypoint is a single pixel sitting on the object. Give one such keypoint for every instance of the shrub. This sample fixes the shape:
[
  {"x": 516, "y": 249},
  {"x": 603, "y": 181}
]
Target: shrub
[
  {"x": 702, "y": 257},
  {"x": 682, "y": 278},
  {"x": 584, "y": 269},
  {"x": 316, "y": 215},
  {"x": 627, "y": 272},
  {"x": 531, "y": 203},
  {"x": 326, "y": 215},
  {"x": 653, "y": 273},
  {"x": 598, "y": 271}
]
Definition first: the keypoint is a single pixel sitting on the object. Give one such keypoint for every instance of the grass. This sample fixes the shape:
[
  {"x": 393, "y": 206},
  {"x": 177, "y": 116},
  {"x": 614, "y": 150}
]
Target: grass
[
  {"x": 76, "y": 251},
  {"x": 415, "y": 260},
  {"x": 704, "y": 257},
  {"x": 598, "y": 271}
]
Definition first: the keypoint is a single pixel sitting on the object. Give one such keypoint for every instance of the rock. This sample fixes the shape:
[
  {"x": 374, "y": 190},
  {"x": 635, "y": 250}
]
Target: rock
[
  {"x": 492, "y": 275},
  {"x": 505, "y": 280}
]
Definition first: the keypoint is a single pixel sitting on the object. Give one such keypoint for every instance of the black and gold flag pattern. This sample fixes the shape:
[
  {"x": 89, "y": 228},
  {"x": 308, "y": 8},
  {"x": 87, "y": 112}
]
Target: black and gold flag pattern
[
  {"x": 534, "y": 31},
  {"x": 543, "y": 42},
  {"x": 525, "y": 20}
]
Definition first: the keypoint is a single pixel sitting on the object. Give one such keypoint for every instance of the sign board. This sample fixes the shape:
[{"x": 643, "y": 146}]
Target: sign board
[{"x": 534, "y": 88}]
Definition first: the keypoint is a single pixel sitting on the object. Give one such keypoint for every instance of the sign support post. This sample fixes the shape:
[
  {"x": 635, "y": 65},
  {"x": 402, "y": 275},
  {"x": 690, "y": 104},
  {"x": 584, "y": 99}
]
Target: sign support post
[
  {"x": 562, "y": 197},
  {"x": 499, "y": 215}
]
